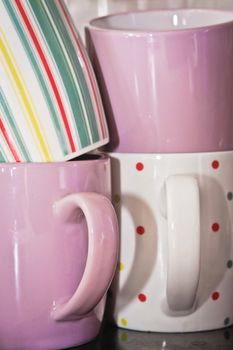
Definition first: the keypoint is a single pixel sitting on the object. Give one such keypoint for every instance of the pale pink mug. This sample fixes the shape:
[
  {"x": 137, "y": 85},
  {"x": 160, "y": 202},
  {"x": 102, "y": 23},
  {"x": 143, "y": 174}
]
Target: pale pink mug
[
  {"x": 58, "y": 252},
  {"x": 166, "y": 79}
]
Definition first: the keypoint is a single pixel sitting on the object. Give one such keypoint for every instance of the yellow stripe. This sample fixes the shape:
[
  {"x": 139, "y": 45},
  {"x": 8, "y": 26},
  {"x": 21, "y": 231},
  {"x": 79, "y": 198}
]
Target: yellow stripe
[{"x": 8, "y": 56}]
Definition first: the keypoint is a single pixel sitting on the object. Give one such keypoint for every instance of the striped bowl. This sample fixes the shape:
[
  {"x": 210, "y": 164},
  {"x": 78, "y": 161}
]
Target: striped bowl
[{"x": 50, "y": 106}]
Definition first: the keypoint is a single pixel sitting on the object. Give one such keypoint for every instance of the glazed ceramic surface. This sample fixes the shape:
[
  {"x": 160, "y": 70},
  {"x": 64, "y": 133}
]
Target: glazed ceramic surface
[
  {"x": 58, "y": 252},
  {"x": 50, "y": 106},
  {"x": 83, "y": 12},
  {"x": 175, "y": 215},
  {"x": 166, "y": 79}
]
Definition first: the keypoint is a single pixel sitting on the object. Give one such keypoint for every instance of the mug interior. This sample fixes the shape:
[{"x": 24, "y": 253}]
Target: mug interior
[{"x": 163, "y": 20}]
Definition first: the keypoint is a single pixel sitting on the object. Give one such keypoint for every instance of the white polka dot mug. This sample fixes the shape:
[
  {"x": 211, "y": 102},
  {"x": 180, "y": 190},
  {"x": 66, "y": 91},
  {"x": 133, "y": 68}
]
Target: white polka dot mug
[{"x": 175, "y": 214}]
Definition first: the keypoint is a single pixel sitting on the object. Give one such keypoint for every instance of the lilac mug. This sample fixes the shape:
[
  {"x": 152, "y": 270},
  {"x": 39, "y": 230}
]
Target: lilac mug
[
  {"x": 58, "y": 252},
  {"x": 166, "y": 79}
]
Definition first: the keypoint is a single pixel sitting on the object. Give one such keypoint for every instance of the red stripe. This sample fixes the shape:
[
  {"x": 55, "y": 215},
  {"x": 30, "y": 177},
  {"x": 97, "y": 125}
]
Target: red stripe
[
  {"x": 86, "y": 66},
  {"x": 48, "y": 71},
  {"x": 8, "y": 141}
]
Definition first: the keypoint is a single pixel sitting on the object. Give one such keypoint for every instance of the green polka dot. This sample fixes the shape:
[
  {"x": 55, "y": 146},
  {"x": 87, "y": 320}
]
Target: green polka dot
[
  {"x": 124, "y": 322},
  {"x": 229, "y": 264},
  {"x": 226, "y": 321},
  {"x": 229, "y": 196},
  {"x": 227, "y": 335},
  {"x": 124, "y": 337},
  {"x": 117, "y": 198}
]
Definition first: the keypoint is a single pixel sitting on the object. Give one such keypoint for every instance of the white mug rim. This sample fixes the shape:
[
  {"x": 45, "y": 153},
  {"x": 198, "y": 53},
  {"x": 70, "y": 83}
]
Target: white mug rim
[{"x": 99, "y": 23}]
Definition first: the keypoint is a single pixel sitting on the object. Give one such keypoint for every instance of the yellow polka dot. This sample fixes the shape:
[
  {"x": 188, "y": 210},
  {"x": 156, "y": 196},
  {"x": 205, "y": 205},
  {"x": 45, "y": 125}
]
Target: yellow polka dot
[
  {"x": 120, "y": 266},
  {"x": 124, "y": 322},
  {"x": 124, "y": 337},
  {"x": 117, "y": 198}
]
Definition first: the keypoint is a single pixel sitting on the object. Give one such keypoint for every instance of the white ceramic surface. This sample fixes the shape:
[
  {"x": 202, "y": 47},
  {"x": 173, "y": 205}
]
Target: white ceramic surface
[
  {"x": 83, "y": 10},
  {"x": 175, "y": 214},
  {"x": 143, "y": 21}
]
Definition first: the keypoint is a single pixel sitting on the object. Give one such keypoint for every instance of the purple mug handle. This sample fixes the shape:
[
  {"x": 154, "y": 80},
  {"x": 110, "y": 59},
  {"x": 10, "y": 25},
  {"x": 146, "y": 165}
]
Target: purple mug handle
[{"x": 103, "y": 244}]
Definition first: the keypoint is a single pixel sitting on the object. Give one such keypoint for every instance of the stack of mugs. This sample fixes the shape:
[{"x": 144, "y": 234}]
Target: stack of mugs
[
  {"x": 166, "y": 80},
  {"x": 59, "y": 231}
]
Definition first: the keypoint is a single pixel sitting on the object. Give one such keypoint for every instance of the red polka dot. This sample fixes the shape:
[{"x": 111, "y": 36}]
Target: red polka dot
[
  {"x": 140, "y": 230},
  {"x": 215, "y": 296},
  {"x": 215, "y": 227},
  {"x": 139, "y": 166},
  {"x": 142, "y": 297},
  {"x": 215, "y": 164}
]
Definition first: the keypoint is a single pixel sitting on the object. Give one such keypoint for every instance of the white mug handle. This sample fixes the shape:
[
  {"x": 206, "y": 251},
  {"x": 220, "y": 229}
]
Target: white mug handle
[
  {"x": 183, "y": 216},
  {"x": 103, "y": 244}
]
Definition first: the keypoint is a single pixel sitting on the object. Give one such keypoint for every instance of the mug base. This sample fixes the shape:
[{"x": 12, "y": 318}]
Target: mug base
[{"x": 62, "y": 336}]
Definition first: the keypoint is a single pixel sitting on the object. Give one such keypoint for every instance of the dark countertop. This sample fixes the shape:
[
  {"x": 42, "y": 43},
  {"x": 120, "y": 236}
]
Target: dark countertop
[{"x": 112, "y": 338}]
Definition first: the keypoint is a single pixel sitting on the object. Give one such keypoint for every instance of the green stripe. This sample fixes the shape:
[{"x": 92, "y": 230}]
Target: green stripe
[
  {"x": 61, "y": 135},
  {"x": 55, "y": 48},
  {"x": 2, "y": 158},
  {"x": 76, "y": 67},
  {"x": 3, "y": 153},
  {"x": 18, "y": 138}
]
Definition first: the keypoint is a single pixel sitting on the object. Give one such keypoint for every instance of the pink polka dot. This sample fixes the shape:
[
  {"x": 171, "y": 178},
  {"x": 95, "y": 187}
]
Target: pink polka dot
[
  {"x": 215, "y": 295},
  {"x": 215, "y": 227},
  {"x": 140, "y": 230},
  {"x": 215, "y": 164},
  {"x": 139, "y": 166},
  {"x": 142, "y": 297}
]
